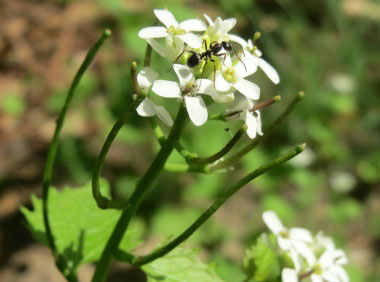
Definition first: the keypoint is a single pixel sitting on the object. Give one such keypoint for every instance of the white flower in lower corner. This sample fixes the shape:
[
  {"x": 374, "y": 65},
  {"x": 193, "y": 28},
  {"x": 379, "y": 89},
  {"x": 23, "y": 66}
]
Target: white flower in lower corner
[
  {"x": 294, "y": 240},
  {"x": 250, "y": 51},
  {"x": 328, "y": 267},
  {"x": 147, "y": 108},
  {"x": 187, "y": 89},
  {"x": 242, "y": 110},
  {"x": 175, "y": 34}
]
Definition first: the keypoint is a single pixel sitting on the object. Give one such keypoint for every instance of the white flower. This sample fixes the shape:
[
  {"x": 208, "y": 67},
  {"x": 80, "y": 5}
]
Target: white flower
[
  {"x": 293, "y": 240},
  {"x": 218, "y": 30},
  {"x": 241, "y": 109},
  {"x": 232, "y": 76},
  {"x": 147, "y": 108},
  {"x": 250, "y": 51},
  {"x": 187, "y": 88},
  {"x": 175, "y": 34},
  {"x": 328, "y": 268}
]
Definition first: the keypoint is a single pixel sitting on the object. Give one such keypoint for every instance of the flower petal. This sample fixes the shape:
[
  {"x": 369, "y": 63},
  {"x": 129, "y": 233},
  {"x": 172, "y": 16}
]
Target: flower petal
[
  {"x": 206, "y": 86},
  {"x": 304, "y": 251},
  {"x": 153, "y": 32},
  {"x": 166, "y": 18},
  {"x": 316, "y": 278},
  {"x": 146, "y": 77},
  {"x": 157, "y": 47},
  {"x": 289, "y": 275},
  {"x": 330, "y": 277},
  {"x": 228, "y": 24},
  {"x": 185, "y": 75},
  {"x": 340, "y": 273},
  {"x": 247, "y": 88},
  {"x": 285, "y": 245},
  {"x": 209, "y": 20},
  {"x": 146, "y": 108},
  {"x": 238, "y": 40},
  {"x": 191, "y": 39},
  {"x": 245, "y": 68},
  {"x": 163, "y": 115},
  {"x": 269, "y": 71},
  {"x": 174, "y": 47},
  {"x": 300, "y": 234},
  {"x": 273, "y": 222},
  {"x": 340, "y": 257},
  {"x": 167, "y": 89},
  {"x": 197, "y": 110},
  {"x": 220, "y": 83},
  {"x": 193, "y": 25},
  {"x": 251, "y": 123},
  {"x": 259, "y": 124}
]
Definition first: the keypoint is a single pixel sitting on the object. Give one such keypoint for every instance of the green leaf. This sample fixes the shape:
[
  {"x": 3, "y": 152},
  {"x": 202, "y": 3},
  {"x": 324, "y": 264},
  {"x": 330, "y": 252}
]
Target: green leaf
[
  {"x": 261, "y": 261},
  {"x": 12, "y": 104},
  {"x": 180, "y": 265},
  {"x": 79, "y": 227}
]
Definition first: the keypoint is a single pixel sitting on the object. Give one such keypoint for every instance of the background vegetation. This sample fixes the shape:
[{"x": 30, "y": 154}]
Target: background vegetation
[{"x": 327, "y": 48}]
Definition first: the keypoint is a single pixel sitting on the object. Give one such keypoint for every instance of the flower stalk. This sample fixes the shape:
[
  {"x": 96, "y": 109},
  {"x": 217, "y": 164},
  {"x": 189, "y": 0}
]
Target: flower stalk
[
  {"x": 102, "y": 201},
  {"x": 139, "y": 261},
  {"x": 231, "y": 160},
  {"x": 46, "y": 181}
]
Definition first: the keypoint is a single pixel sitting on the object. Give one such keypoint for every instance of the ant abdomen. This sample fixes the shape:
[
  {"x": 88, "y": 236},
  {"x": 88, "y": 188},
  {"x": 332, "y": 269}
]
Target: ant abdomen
[{"x": 194, "y": 60}]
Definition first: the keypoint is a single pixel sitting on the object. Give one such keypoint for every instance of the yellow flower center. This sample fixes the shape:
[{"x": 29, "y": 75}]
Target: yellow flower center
[
  {"x": 229, "y": 75},
  {"x": 317, "y": 269},
  {"x": 172, "y": 31},
  {"x": 284, "y": 234},
  {"x": 253, "y": 51}
]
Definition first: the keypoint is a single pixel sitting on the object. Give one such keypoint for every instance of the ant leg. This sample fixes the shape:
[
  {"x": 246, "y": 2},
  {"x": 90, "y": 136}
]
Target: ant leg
[
  {"x": 212, "y": 60},
  {"x": 204, "y": 42},
  {"x": 224, "y": 56},
  {"x": 239, "y": 58},
  {"x": 211, "y": 44},
  {"x": 203, "y": 70},
  {"x": 179, "y": 56}
]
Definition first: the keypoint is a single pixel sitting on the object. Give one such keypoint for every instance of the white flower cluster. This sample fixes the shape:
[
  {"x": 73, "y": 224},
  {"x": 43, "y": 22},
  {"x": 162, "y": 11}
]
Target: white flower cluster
[
  {"x": 206, "y": 63},
  {"x": 314, "y": 258}
]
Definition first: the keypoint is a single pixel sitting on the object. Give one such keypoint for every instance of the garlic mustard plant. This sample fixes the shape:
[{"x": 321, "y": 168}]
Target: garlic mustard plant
[{"x": 211, "y": 66}]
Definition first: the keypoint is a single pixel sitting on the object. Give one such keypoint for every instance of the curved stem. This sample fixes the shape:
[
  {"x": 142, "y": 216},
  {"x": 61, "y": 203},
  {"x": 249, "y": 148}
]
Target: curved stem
[
  {"x": 223, "y": 151},
  {"x": 142, "y": 187},
  {"x": 102, "y": 201},
  {"x": 54, "y": 144},
  {"x": 138, "y": 261},
  {"x": 255, "y": 142}
]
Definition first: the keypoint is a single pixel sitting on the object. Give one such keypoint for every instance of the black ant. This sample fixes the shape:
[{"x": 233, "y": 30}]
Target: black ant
[{"x": 213, "y": 50}]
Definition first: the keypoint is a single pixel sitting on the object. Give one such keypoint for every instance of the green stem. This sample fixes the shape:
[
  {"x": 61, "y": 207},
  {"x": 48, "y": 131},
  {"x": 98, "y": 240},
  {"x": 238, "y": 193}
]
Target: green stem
[
  {"x": 223, "y": 151},
  {"x": 157, "y": 131},
  {"x": 181, "y": 168},
  {"x": 258, "y": 139},
  {"x": 138, "y": 261},
  {"x": 142, "y": 187},
  {"x": 177, "y": 145},
  {"x": 54, "y": 144},
  {"x": 102, "y": 201}
]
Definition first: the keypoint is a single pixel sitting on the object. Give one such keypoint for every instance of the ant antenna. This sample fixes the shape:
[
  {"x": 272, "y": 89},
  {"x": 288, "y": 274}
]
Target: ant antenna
[{"x": 239, "y": 57}]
